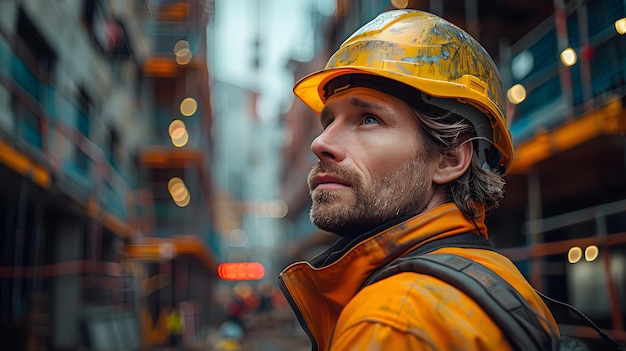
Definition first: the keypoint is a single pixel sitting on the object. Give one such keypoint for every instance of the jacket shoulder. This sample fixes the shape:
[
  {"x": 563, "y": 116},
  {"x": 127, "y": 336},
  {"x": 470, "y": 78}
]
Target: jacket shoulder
[{"x": 419, "y": 307}]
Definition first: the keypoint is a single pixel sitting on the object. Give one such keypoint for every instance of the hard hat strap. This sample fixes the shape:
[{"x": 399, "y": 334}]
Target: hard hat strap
[{"x": 488, "y": 155}]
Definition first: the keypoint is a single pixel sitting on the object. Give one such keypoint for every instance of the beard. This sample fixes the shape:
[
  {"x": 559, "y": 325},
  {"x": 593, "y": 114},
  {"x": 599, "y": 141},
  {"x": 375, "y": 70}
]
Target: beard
[{"x": 399, "y": 192}]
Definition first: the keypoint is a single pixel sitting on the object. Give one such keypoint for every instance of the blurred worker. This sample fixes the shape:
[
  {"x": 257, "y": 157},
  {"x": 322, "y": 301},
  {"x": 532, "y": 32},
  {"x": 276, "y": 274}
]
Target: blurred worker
[
  {"x": 232, "y": 330},
  {"x": 413, "y": 150},
  {"x": 175, "y": 324},
  {"x": 235, "y": 311}
]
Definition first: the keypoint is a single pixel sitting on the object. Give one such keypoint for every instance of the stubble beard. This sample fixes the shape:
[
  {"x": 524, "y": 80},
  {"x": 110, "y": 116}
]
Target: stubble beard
[{"x": 400, "y": 192}]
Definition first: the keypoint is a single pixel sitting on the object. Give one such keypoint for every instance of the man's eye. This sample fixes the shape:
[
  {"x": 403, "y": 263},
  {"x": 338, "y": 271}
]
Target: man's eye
[{"x": 370, "y": 120}]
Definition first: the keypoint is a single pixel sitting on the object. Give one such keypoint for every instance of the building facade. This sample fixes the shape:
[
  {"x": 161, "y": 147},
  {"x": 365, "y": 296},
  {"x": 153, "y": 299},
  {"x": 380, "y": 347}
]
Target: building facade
[{"x": 105, "y": 186}]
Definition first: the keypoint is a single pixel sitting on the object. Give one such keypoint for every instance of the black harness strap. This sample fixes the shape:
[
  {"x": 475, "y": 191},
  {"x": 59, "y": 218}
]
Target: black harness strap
[
  {"x": 465, "y": 240},
  {"x": 495, "y": 296},
  {"x": 519, "y": 323}
]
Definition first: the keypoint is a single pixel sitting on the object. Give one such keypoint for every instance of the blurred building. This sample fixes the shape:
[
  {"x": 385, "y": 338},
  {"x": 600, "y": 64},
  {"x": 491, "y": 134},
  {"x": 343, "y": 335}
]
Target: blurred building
[
  {"x": 563, "y": 220},
  {"x": 105, "y": 180},
  {"x": 250, "y": 42}
]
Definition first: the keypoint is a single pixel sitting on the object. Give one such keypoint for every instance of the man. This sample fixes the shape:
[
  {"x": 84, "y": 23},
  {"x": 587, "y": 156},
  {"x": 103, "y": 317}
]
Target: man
[{"x": 413, "y": 150}]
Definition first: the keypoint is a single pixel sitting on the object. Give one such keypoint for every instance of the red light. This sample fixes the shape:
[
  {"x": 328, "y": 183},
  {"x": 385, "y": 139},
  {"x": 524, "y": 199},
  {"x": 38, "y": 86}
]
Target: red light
[
  {"x": 587, "y": 52},
  {"x": 241, "y": 271}
]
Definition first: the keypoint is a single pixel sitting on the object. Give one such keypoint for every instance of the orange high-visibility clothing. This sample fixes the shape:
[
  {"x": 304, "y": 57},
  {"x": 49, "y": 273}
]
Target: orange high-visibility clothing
[{"x": 407, "y": 311}]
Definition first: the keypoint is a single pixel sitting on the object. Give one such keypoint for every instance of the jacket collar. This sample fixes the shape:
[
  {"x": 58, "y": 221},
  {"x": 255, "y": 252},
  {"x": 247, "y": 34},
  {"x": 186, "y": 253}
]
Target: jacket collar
[
  {"x": 339, "y": 248},
  {"x": 318, "y": 290}
]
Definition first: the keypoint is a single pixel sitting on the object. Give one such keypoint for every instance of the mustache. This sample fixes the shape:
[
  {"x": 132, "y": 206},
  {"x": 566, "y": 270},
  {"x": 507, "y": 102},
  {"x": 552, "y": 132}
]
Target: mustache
[{"x": 346, "y": 174}]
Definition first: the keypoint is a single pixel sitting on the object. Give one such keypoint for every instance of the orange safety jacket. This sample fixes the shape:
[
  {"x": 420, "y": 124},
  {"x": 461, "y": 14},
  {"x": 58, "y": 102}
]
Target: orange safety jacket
[{"x": 407, "y": 311}]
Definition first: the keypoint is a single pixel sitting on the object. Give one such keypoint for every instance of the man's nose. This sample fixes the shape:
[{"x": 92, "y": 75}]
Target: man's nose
[{"x": 329, "y": 146}]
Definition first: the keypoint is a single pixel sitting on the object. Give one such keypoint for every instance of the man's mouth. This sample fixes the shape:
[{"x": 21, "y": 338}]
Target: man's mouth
[{"x": 327, "y": 182}]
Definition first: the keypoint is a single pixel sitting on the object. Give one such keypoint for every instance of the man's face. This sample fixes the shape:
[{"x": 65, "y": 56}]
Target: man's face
[{"x": 372, "y": 164}]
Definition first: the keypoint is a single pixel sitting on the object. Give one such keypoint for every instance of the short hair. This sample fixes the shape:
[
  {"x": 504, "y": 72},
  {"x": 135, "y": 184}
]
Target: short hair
[{"x": 476, "y": 185}]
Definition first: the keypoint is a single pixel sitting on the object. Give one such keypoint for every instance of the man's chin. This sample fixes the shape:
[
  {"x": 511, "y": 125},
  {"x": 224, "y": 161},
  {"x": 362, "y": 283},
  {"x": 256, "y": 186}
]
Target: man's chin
[
  {"x": 328, "y": 216},
  {"x": 337, "y": 221}
]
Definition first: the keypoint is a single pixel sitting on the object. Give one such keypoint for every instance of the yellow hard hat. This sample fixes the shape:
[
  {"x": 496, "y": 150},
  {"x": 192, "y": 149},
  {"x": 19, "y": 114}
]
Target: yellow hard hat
[{"x": 451, "y": 69}]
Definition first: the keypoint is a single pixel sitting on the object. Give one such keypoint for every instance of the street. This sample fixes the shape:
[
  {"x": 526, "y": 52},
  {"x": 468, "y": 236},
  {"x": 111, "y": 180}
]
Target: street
[
  {"x": 272, "y": 340},
  {"x": 270, "y": 335}
]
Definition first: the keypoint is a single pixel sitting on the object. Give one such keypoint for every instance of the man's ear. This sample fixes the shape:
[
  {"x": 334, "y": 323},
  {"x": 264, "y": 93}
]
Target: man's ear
[{"x": 453, "y": 163}]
